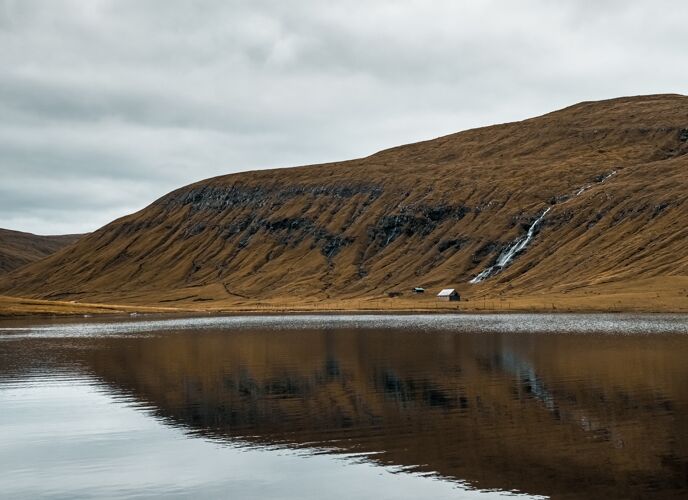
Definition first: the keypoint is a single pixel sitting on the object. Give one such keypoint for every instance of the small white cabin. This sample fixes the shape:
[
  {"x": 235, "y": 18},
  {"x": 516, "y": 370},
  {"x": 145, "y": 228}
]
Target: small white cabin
[{"x": 449, "y": 294}]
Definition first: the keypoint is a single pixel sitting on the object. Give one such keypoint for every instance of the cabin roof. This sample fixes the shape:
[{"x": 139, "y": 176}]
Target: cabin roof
[{"x": 446, "y": 292}]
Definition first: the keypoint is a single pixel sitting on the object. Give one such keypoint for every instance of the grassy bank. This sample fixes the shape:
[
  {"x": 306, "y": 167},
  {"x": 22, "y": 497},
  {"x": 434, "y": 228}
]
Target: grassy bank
[
  {"x": 618, "y": 301},
  {"x": 11, "y": 307}
]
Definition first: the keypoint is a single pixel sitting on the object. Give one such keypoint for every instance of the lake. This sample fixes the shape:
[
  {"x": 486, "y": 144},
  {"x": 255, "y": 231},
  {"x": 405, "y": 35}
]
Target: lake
[{"x": 345, "y": 407}]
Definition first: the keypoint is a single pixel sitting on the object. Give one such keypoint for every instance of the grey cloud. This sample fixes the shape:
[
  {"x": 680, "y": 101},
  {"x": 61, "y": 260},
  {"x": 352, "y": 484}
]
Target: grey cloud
[{"x": 107, "y": 104}]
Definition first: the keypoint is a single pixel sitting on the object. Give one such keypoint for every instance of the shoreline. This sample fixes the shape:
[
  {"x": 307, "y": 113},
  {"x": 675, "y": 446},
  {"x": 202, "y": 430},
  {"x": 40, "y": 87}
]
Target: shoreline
[{"x": 26, "y": 308}]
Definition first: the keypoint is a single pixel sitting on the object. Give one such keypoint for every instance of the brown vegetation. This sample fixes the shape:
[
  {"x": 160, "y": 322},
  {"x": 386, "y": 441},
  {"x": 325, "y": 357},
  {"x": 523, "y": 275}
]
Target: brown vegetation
[
  {"x": 430, "y": 214},
  {"x": 18, "y": 249}
]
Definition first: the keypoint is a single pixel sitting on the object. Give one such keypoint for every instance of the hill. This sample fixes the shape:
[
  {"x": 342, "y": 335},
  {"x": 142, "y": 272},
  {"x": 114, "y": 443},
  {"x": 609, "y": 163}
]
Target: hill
[
  {"x": 18, "y": 249},
  {"x": 585, "y": 206}
]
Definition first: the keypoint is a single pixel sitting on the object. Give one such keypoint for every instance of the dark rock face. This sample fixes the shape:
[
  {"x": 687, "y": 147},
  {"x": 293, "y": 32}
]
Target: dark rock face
[
  {"x": 559, "y": 199},
  {"x": 600, "y": 178},
  {"x": 659, "y": 209},
  {"x": 248, "y": 215},
  {"x": 237, "y": 226},
  {"x": 560, "y": 218},
  {"x": 249, "y": 209},
  {"x": 455, "y": 243},
  {"x": 643, "y": 210},
  {"x": 288, "y": 232},
  {"x": 223, "y": 198},
  {"x": 598, "y": 217},
  {"x": 412, "y": 221},
  {"x": 683, "y": 135},
  {"x": 195, "y": 229},
  {"x": 291, "y": 231}
]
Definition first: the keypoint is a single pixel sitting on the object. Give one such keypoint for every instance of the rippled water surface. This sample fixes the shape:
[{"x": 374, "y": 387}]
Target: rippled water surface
[{"x": 310, "y": 407}]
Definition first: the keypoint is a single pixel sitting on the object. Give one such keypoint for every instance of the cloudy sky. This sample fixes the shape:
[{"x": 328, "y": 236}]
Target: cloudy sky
[{"x": 105, "y": 105}]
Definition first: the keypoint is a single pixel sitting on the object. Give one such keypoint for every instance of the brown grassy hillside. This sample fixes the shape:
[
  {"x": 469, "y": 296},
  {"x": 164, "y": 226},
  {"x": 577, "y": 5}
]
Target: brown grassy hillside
[
  {"x": 433, "y": 214},
  {"x": 18, "y": 249}
]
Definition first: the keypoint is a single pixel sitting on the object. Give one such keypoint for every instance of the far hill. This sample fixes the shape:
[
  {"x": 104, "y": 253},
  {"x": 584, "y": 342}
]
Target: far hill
[
  {"x": 583, "y": 202},
  {"x": 18, "y": 249}
]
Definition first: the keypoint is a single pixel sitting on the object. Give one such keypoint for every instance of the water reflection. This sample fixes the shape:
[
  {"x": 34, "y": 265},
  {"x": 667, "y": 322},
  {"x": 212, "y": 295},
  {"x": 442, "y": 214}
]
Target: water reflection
[{"x": 571, "y": 416}]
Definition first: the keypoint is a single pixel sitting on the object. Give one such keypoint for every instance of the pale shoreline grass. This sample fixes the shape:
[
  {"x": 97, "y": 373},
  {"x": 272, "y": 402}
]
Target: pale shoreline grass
[
  {"x": 17, "y": 307},
  {"x": 14, "y": 307}
]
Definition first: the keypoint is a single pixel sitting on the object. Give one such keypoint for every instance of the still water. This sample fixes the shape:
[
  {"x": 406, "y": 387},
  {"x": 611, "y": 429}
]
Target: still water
[{"x": 311, "y": 407}]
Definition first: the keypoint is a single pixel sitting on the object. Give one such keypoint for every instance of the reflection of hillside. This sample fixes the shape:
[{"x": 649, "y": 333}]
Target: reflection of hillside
[{"x": 499, "y": 411}]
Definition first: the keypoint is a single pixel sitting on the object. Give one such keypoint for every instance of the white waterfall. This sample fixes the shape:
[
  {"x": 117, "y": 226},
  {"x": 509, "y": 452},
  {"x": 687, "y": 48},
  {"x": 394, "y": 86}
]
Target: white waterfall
[
  {"x": 583, "y": 189},
  {"x": 511, "y": 251},
  {"x": 516, "y": 247}
]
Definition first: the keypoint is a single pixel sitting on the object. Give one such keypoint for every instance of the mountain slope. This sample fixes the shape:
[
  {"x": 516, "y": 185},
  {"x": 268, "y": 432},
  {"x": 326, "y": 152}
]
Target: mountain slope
[
  {"x": 18, "y": 249},
  {"x": 435, "y": 213}
]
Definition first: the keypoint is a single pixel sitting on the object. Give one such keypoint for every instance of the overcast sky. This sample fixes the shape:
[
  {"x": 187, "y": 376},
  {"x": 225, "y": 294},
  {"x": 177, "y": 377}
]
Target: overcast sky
[{"x": 105, "y": 105}]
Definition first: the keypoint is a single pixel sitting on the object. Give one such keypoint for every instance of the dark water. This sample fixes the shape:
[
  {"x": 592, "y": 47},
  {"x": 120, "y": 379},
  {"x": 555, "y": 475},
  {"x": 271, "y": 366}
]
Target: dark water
[{"x": 346, "y": 407}]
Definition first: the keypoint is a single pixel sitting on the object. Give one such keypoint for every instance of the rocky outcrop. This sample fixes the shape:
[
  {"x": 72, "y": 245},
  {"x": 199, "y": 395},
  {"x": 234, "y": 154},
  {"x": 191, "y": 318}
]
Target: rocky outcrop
[
  {"x": 219, "y": 198},
  {"x": 413, "y": 221}
]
